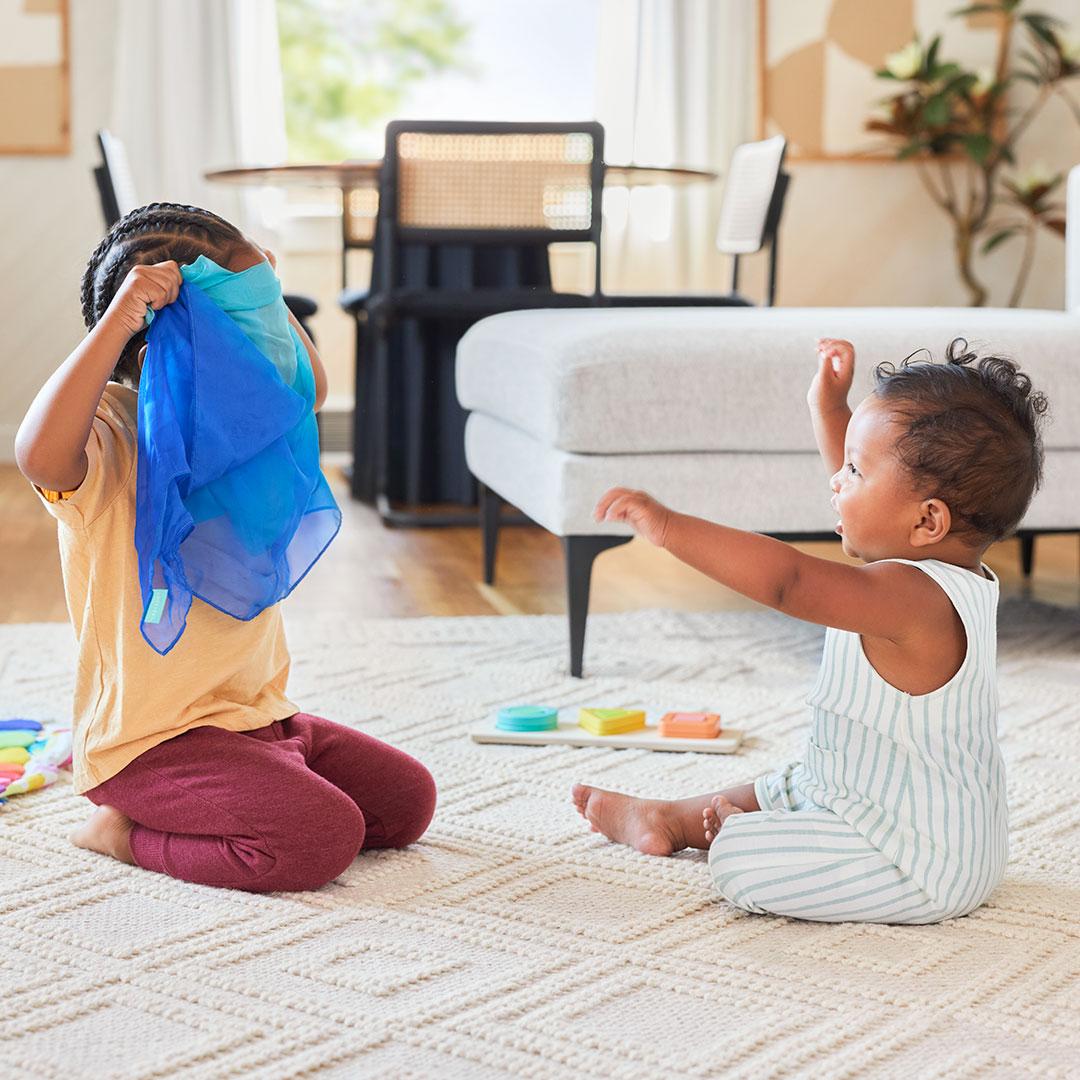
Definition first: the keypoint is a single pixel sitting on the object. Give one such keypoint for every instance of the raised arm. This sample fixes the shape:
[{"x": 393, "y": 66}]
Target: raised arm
[
  {"x": 50, "y": 445},
  {"x": 827, "y": 398},
  {"x": 880, "y": 599}
]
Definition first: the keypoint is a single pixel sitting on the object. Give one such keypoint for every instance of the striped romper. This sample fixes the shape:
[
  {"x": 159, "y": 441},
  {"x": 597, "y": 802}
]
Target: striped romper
[{"x": 897, "y": 812}]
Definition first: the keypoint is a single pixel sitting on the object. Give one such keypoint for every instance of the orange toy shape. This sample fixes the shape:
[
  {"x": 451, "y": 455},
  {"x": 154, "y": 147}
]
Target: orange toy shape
[{"x": 690, "y": 725}]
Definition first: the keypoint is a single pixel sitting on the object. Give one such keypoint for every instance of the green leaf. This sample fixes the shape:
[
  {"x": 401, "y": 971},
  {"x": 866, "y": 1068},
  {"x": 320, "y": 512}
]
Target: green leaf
[
  {"x": 1043, "y": 19},
  {"x": 911, "y": 150},
  {"x": 978, "y": 147},
  {"x": 976, "y": 9},
  {"x": 997, "y": 238},
  {"x": 931, "y": 56},
  {"x": 1034, "y": 59},
  {"x": 961, "y": 84},
  {"x": 936, "y": 112},
  {"x": 1042, "y": 28}
]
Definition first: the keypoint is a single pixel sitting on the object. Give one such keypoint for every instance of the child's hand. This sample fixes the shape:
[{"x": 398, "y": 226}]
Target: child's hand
[
  {"x": 153, "y": 286},
  {"x": 836, "y": 368},
  {"x": 640, "y": 511}
]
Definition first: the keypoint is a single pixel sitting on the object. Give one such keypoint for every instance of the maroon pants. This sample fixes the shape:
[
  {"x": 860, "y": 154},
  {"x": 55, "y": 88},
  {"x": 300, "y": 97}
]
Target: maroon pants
[{"x": 284, "y": 807}]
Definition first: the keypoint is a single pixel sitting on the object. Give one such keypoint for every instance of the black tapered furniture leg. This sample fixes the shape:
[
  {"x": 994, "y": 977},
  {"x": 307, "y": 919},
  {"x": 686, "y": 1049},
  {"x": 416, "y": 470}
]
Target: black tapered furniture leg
[
  {"x": 580, "y": 551},
  {"x": 1027, "y": 552},
  {"x": 490, "y": 505}
]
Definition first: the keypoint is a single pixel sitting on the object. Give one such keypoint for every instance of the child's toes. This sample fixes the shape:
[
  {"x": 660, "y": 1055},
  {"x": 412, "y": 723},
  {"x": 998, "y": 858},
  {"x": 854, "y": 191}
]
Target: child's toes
[{"x": 724, "y": 809}]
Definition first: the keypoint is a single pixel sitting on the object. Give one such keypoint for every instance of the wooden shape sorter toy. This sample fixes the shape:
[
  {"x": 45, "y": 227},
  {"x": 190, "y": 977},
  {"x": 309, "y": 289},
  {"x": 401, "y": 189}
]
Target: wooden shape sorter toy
[{"x": 630, "y": 728}]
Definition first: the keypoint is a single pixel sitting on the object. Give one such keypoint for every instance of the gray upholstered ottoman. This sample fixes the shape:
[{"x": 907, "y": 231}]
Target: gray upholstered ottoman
[{"x": 706, "y": 409}]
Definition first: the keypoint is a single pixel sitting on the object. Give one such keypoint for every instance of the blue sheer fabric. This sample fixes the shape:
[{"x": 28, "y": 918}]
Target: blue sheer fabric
[{"x": 231, "y": 504}]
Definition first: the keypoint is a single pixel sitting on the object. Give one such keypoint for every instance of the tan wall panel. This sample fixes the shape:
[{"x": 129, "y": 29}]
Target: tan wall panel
[{"x": 36, "y": 123}]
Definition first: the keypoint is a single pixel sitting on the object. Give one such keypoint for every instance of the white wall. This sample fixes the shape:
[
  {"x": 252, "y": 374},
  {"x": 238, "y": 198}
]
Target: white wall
[{"x": 51, "y": 223}]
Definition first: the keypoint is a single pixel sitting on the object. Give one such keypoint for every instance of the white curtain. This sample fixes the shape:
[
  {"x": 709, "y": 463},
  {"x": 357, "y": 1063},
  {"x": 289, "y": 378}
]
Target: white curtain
[
  {"x": 676, "y": 85},
  {"x": 198, "y": 86}
]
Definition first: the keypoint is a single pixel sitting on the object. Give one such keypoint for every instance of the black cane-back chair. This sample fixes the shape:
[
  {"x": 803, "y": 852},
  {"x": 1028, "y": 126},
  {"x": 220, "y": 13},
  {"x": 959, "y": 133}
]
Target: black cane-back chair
[{"x": 467, "y": 212}]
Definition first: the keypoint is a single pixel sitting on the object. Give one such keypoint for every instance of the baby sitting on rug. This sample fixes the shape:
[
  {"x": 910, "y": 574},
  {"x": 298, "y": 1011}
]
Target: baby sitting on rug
[{"x": 896, "y": 812}]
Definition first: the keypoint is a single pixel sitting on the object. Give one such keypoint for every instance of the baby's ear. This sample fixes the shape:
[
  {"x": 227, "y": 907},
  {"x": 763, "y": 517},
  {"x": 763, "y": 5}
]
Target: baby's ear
[{"x": 934, "y": 524}]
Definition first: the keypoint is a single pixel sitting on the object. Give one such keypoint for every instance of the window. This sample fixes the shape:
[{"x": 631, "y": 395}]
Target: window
[{"x": 349, "y": 68}]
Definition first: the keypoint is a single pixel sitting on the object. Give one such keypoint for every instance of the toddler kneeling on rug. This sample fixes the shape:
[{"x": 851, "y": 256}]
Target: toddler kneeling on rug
[
  {"x": 896, "y": 812},
  {"x": 189, "y": 503}
]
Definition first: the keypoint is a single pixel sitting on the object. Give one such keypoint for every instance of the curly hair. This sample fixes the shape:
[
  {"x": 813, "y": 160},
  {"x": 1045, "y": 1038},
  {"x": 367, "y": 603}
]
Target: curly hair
[
  {"x": 150, "y": 234},
  {"x": 972, "y": 435}
]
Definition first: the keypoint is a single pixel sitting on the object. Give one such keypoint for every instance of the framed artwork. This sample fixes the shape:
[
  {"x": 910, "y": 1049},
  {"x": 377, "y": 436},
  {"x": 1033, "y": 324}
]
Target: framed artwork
[
  {"x": 34, "y": 77},
  {"x": 817, "y": 58}
]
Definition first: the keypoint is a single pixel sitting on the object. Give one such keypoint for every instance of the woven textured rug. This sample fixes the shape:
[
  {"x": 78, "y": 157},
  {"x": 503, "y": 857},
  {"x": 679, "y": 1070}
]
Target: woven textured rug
[{"x": 511, "y": 941}]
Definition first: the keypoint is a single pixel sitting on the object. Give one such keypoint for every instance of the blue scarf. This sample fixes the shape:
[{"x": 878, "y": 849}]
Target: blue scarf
[{"x": 231, "y": 505}]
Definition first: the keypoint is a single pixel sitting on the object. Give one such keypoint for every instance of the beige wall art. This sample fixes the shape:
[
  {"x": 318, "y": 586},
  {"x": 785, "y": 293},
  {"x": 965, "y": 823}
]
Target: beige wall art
[
  {"x": 817, "y": 60},
  {"x": 35, "y": 109}
]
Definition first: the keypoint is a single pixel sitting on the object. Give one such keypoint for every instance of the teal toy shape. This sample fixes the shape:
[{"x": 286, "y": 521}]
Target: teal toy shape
[{"x": 527, "y": 718}]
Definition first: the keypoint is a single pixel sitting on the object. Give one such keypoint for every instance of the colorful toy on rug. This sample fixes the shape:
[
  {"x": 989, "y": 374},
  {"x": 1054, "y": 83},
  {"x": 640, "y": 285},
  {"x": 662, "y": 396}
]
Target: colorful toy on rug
[
  {"x": 527, "y": 718},
  {"x": 611, "y": 721},
  {"x": 31, "y": 755},
  {"x": 625, "y": 728},
  {"x": 690, "y": 725}
]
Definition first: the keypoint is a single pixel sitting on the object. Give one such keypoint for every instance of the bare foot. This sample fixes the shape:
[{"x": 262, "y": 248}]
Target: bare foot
[
  {"x": 715, "y": 814},
  {"x": 108, "y": 832},
  {"x": 651, "y": 826}
]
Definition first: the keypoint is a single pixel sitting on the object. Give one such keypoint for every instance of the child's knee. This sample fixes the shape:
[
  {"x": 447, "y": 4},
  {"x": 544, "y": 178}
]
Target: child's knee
[
  {"x": 418, "y": 805},
  {"x": 315, "y": 853}
]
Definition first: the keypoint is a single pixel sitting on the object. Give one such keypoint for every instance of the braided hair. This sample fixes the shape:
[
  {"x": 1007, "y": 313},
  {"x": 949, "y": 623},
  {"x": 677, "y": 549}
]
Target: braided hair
[
  {"x": 150, "y": 234},
  {"x": 972, "y": 435}
]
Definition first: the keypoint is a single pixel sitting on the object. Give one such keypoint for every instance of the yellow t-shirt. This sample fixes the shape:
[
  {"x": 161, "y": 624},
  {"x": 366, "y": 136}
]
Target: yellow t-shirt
[{"x": 128, "y": 698}]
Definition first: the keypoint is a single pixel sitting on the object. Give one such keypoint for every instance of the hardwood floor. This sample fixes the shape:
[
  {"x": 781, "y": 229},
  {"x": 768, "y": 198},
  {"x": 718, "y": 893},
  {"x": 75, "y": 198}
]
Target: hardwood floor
[{"x": 371, "y": 570}]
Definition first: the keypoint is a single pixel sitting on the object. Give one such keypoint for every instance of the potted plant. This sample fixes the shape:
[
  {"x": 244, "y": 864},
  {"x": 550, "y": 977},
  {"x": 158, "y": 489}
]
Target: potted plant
[{"x": 961, "y": 128}]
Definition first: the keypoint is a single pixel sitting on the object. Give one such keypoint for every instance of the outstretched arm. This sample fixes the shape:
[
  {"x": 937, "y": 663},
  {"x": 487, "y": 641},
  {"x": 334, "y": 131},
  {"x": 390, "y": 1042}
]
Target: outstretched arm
[
  {"x": 881, "y": 599},
  {"x": 827, "y": 398}
]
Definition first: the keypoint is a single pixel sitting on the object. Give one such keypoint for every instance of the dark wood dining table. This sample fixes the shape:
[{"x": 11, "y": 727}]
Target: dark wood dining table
[{"x": 426, "y": 466}]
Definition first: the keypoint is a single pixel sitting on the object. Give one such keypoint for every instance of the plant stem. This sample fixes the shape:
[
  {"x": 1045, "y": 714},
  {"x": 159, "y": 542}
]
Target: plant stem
[
  {"x": 1021, "y": 125},
  {"x": 1008, "y": 20},
  {"x": 928, "y": 183},
  {"x": 1073, "y": 107},
  {"x": 1025, "y": 266},
  {"x": 947, "y": 184},
  {"x": 976, "y": 289}
]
